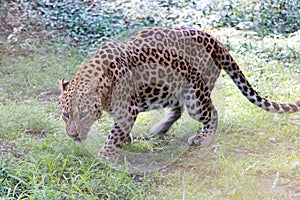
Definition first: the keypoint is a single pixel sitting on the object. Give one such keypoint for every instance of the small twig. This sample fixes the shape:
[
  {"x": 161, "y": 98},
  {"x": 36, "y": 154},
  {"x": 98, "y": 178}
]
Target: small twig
[{"x": 293, "y": 148}]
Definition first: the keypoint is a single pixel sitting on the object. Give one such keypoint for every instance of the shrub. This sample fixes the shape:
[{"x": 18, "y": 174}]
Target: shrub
[
  {"x": 84, "y": 24},
  {"x": 263, "y": 16},
  {"x": 89, "y": 23}
]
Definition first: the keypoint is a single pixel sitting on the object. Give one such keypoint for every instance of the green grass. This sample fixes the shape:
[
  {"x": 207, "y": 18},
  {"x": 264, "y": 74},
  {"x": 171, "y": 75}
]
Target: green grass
[
  {"x": 49, "y": 165},
  {"x": 256, "y": 154}
]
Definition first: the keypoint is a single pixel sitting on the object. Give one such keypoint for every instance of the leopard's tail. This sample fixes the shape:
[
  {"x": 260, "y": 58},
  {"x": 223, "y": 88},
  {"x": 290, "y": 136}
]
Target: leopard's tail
[{"x": 233, "y": 70}]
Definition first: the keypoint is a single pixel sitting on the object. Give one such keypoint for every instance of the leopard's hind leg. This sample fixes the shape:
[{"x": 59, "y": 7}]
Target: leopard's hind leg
[
  {"x": 162, "y": 127},
  {"x": 200, "y": 108},
  {"x": 210, "y": 124}
]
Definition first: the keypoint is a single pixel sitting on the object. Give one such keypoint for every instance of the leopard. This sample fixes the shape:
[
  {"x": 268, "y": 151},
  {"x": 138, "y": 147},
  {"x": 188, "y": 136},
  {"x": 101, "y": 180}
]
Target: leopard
[{"x": 156, "y": 68}]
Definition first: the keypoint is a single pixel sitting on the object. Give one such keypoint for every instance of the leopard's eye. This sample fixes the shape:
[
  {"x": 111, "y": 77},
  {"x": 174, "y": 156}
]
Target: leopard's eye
[
  {"x": 65, "y": 115},
  {"x": 83, "y": 114}
]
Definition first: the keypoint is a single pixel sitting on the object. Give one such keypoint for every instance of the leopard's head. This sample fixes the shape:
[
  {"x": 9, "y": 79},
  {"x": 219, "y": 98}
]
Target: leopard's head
[{"x": 81, "y": 107}]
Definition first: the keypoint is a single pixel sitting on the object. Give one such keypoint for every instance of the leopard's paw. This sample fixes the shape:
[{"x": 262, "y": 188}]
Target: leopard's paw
[
  {"x": 103, "y": 155},
  {"x": 108, "y": 153},
  {"x": 195, "y": 140}
]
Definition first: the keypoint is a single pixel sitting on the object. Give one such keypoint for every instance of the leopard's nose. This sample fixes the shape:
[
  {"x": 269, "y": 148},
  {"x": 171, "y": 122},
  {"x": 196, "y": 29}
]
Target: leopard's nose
[
  {"x": 71, "y": 129},
  {"x": 72, "y": 134}
]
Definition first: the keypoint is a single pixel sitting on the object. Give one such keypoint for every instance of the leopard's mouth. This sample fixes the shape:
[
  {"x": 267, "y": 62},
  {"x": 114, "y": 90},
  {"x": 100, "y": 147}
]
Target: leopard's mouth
[{"x": 80, "y": 137}]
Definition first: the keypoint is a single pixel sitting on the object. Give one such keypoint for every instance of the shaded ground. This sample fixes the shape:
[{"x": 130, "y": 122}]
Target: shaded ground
[
  {"x": 9, "y": 149},
  {"x": 52, "y": 95}
]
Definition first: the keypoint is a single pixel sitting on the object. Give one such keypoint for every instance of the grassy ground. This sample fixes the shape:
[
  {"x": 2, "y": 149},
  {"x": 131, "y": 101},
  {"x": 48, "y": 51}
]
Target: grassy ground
[{"x": 256, "y": 155}]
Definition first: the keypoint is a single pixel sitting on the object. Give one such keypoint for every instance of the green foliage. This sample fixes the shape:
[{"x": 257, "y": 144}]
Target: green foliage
[
  {"x": 264, "y": 16},
  {"x": 90, "y": 24},
  {"x": 77, "y": 20},
  {"x": 84, "y": 23}
]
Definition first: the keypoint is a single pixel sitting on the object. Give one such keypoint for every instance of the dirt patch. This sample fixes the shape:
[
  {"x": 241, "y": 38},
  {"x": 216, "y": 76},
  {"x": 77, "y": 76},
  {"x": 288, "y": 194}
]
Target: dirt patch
[
  {"x": 195, "y": 161},
  {"x": 36, "y": 134},
  {"x": 8, "y": 149},
  {"x": 273, "y": 184},
  {"x": 52, "y": 95},
  {"x": 201, "y": 164}
]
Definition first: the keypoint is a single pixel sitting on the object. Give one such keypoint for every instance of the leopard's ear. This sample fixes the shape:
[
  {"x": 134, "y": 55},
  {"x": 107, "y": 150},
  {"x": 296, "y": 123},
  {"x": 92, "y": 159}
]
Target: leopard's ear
[{"x": 63, "y": 84}]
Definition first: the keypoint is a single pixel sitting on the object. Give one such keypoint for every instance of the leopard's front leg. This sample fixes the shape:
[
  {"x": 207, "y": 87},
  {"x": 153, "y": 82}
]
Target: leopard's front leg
[
  {"x": 119, "y": 134},
  {"x": 124, "y": 114},
  {"x": 124, "y": 108}
]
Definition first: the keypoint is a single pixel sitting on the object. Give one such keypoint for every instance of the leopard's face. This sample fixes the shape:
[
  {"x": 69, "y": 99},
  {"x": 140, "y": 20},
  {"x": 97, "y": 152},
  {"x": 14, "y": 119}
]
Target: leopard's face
[{"x": 79, "y": 111}]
